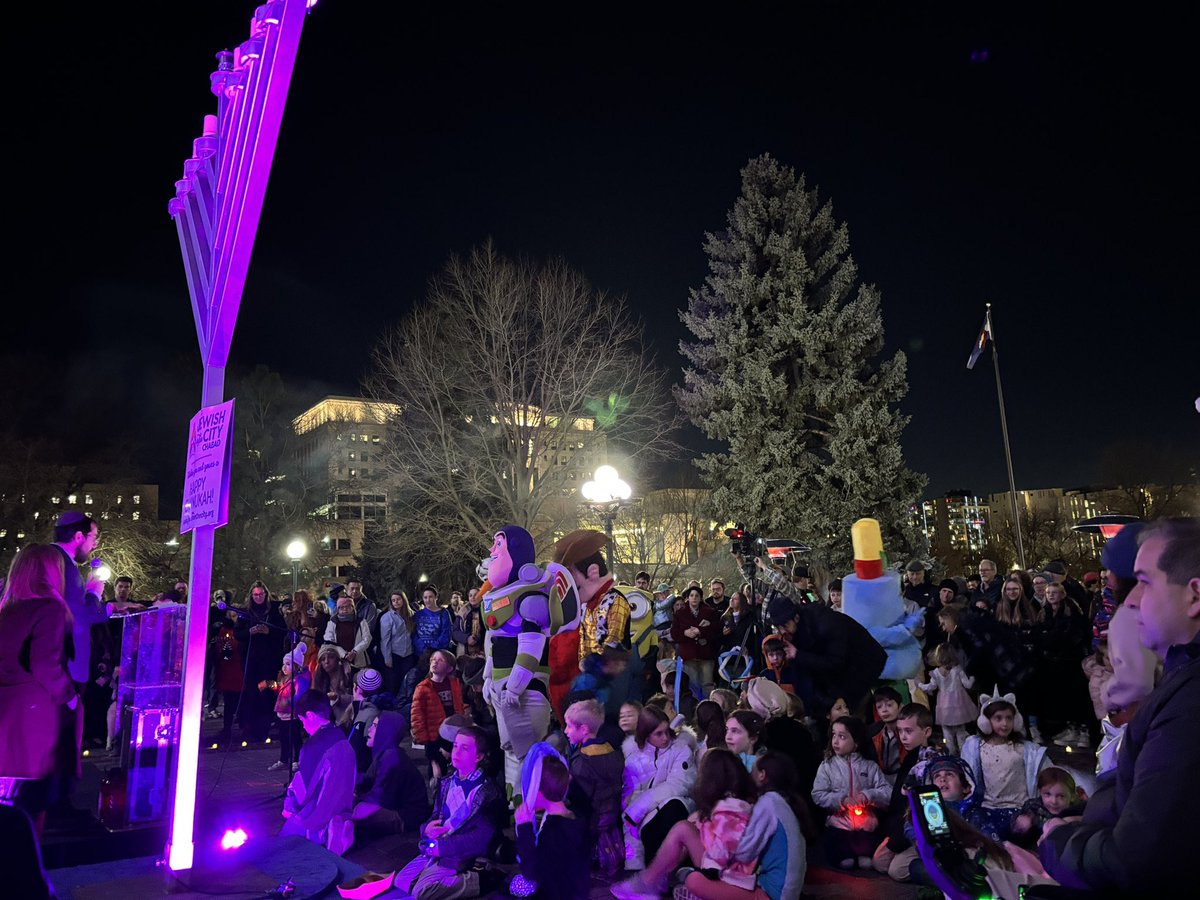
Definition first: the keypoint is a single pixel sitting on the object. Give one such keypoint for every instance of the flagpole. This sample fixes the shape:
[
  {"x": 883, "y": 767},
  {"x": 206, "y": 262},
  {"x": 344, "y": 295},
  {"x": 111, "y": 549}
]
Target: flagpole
[{"x": 1012, "y": 482}]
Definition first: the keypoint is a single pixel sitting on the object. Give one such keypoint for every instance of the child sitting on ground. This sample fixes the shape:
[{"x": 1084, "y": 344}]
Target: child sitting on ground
[
  {"x": 659, "y": 777},
  {"x": 724, "y": 792},
  {"x": 951, "y": 776},
  {"x": 888, "y": 751},
  {"x": 391, "y": 796},
  {"x": 597, "y": 771},
  {"x": 1057, "y": 798},
  {"x": 321, "y": 793},
  {"x": 1005, "y": 765},
  {"x": 773, "y": 839},
  {"x": 552, "y": 847},
  {"x": 849, "y": 786},
  {"x": 914, "y": 727},
  {"x": 463, "y": 827}
]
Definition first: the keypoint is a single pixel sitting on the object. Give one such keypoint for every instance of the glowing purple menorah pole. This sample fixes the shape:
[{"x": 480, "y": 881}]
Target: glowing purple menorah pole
[{"x": 216, "y": 209}]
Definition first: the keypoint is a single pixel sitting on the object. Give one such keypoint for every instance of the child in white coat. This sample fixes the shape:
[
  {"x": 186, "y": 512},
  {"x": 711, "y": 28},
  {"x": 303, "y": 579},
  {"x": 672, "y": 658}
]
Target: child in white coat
[{"x": 660, "y": 773}]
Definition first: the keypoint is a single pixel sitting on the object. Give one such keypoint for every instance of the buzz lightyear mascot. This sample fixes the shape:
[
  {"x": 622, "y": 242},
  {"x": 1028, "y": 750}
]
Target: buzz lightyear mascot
[{"x": 522, "y": 608}]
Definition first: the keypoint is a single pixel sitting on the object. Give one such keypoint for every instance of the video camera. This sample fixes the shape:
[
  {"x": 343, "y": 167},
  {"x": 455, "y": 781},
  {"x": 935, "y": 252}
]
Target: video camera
[{"x": 746, "y": 544}]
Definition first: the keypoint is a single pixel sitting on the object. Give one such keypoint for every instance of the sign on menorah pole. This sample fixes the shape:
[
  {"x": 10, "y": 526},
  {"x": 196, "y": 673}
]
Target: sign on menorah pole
[{"x": 216, "y": 208}]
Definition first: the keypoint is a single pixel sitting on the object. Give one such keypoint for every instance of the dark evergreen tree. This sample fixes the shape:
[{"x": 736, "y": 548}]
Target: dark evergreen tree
[{"x": 787, "y": 368}]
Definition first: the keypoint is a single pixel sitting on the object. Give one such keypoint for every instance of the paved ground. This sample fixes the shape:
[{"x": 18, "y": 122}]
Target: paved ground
[{"x": 237, "y": 790}]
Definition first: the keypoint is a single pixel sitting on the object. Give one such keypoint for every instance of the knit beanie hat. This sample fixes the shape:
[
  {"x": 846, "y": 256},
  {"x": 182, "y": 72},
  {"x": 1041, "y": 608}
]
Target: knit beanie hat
[
  {"x": 1121, "y": 550},
  {"x": 450, "y": 727},
  {"x": 331, "y": 648},
  {"x": 985, "y": 723},
  {"x": 781, "y": 610},
  {"x": 948, "y": 583},
  {"x": 297, "y": 655},
  {"x": 369, "y": 681},
  {"x": 767, "y": 698},
  {"x": 942, "y": 762}
]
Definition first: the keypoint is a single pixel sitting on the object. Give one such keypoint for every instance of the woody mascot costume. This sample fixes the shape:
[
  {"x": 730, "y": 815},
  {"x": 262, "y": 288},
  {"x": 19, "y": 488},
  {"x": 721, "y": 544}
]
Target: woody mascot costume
[
  {"x": 522, "y": 608},
  {"x": 605, "y": 618}
]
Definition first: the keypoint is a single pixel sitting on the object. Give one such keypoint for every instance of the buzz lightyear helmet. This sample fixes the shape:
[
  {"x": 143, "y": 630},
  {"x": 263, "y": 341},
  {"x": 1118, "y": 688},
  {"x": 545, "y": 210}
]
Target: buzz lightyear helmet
[{"x": 546, "y": 597}]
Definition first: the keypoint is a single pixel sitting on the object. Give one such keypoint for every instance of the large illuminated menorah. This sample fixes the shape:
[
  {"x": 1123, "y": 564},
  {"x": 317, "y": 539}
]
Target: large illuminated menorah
[{"x": 216, "y": 209}]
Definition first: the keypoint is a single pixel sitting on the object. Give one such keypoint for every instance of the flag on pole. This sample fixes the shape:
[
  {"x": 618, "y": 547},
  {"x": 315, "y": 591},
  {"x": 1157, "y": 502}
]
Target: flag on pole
[{"x": 981, "y": 342}]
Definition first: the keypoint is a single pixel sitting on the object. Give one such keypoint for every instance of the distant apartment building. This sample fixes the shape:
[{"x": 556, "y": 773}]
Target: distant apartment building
[
  {"x": 954, "y": 524},
  {"x": 340, "y": 450},
  {"x": 28, "y": 515}
]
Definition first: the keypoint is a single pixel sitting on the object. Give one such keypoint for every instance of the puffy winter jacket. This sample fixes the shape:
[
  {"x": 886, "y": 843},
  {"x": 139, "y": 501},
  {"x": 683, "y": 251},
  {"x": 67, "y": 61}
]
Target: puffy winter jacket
[
  {"x": 1135, "y": 837},
  {"x": 427, "y": 711},
  {"x": 655, "y": 777},
  {"x": 832, "y": 784}
]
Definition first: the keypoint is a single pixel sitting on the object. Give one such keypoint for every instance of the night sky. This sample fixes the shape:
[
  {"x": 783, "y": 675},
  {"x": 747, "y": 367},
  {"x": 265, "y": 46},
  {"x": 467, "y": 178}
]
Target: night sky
[{"x": 1041, "y": 165}]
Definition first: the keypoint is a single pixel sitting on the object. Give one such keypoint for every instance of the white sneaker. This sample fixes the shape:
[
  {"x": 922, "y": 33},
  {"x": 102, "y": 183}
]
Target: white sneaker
[
  {"x": 276, "y": 766},
  {"x": 636, "y": 888}
]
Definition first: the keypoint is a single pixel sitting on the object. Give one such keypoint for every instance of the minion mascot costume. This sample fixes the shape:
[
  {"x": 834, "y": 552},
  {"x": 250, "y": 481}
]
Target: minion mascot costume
[
  {"x": 643, "y": 637},
  {"x": 523, "y": 607}
]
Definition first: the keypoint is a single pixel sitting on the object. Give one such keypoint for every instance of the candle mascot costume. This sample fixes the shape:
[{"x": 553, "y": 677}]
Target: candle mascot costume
[
  {"x": 522, "y": 608},
  {"x": 871, "y": 596}
]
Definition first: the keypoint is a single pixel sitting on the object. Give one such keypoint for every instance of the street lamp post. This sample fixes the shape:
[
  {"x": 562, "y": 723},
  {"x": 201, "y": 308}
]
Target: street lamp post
[
  {"x": 296, "y": 551},
  {"x": 606, "y": 494}
]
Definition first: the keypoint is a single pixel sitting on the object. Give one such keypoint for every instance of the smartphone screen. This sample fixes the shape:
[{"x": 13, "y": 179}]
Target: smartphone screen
[{"x": 935, "y": 815}]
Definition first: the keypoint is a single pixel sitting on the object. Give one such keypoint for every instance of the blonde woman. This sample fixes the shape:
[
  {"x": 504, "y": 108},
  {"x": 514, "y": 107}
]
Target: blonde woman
[{"x": 38, "y": 702}]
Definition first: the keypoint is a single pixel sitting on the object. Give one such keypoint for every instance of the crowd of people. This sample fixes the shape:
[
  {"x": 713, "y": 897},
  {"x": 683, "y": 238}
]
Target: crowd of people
[{"x": 706, "y": 742}]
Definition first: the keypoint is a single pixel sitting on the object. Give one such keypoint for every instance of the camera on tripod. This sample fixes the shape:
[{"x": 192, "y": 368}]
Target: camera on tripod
[{"x": 746, "y": 544}]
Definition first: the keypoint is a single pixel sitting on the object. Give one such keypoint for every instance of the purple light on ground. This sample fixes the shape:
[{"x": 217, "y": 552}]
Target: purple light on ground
[{"x": 233, "y": 838}]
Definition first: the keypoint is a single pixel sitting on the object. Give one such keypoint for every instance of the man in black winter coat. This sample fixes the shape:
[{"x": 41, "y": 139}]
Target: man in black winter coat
[
  {"x": 1134, "y": 838},
  {"x": 834, "y": 656}
]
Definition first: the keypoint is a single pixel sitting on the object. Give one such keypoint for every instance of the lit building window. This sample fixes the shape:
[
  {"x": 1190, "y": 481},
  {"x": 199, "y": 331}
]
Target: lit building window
[
  {"x": 87, "y": 499},
  {"x": 352, "y": 454},
  {"x": 136, "y": 515},
  {"x": 3, "y": 532},
  {"x": 119, "y": 499},
  {"x": 72, "y": 498},
  {"x": 354, "y": 473},
  {"x": 137, "y": 499},
  {"x": 56, "y": 500},
  {"x": 375, "y": 440}
]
